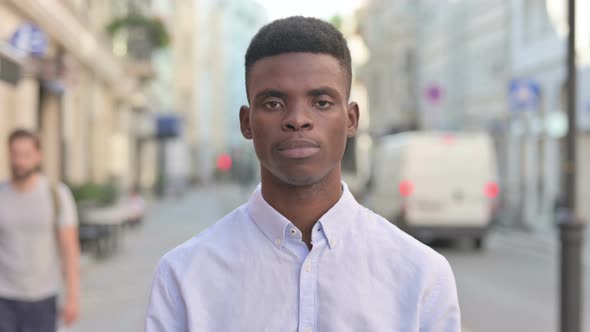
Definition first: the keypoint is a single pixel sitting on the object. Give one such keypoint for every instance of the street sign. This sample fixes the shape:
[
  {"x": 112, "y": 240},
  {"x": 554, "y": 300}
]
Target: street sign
[
  {"x": 556, "y": 125},
  {"x": 524, "y": 94},
  {"x": 434, "y": 93},
  {"x": 167, "y": 126},
  {"x": 30, "y": 40}
]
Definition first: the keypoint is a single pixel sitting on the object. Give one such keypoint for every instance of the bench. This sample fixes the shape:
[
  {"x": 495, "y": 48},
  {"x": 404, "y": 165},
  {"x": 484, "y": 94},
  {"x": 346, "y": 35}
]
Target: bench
[{"x": 100, "y": 227}]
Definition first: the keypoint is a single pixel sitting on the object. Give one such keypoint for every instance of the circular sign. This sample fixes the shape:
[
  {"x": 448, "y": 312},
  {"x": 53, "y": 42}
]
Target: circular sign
[
  {"x": 556, "y": 124},
  {"x": 524, "y": 94},
  {"x": 434, "y": 93},
  {"x": 30, "y": 39}
]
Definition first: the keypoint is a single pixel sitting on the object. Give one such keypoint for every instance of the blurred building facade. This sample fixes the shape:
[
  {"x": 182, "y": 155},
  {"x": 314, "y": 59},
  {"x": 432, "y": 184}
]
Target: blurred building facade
[
  {"x": 389, "y": 31},
  {"x": 450, "y": 64},
  {"x": 356, "y": 162},
  {"x": 462, "y": 54},
  {"x": 222, "y": 32},
  {"x": 538, "y": 53},
  {"x": 436, "y": 64},
  {"x": 184, "y": 64},
  {"x": 73, "y": 90},
  {"x": 95, "y": 95}
]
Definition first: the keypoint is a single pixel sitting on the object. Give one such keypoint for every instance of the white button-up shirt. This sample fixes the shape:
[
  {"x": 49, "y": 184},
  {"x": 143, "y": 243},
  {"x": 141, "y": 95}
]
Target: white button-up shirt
[{"x": 252, "y": 272}]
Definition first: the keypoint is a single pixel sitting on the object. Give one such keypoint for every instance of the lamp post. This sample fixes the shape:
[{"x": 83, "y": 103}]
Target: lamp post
[{"x": 571, "y": 228}]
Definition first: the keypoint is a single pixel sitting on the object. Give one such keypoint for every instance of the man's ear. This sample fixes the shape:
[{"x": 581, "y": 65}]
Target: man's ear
[
  {"x": 352, "y": 119},
  {"x": 245, "y": 122}
]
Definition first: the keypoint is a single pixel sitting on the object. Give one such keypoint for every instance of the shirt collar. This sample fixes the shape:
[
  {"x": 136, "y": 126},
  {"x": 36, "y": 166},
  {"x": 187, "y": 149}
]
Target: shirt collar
[
  {"x": 274, "y": 225},
  {"x": 336, "y": 221},
  {"x": 270, "y": 221}
]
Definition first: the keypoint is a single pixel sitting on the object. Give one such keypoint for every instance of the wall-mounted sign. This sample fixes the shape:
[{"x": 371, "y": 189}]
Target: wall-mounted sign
[
  {"x": 524, "y": 95},
  {"x": 434, "y": 93},
  {"x": 30, "y": 40},
  {"x": 167, "y": 126}
]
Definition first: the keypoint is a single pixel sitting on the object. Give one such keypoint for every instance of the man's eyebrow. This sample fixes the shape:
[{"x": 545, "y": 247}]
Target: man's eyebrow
[
  {"x": 270, "y": 93},
  {"x": 323, "y": 91}
]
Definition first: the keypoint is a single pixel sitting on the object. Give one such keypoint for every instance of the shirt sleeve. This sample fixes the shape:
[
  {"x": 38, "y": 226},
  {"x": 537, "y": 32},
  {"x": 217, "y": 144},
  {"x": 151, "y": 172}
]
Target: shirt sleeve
[
  {"x": 166, "y": 311},
  {"x": 441, "y": 311},
  {"x": 68, "y": 215}
]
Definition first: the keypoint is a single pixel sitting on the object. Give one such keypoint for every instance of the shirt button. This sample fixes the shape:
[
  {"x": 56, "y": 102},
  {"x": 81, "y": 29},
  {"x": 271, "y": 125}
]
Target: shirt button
[
  {"x": 308, "y": 267},
  {"x": 293, "y": 231},
  {"x": 307, "y": 329},
  {"x": 278, "y": 242}
]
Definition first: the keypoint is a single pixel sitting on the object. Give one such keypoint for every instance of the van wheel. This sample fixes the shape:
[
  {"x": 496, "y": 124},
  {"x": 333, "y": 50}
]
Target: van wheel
[{"x": 478, "y": 243}]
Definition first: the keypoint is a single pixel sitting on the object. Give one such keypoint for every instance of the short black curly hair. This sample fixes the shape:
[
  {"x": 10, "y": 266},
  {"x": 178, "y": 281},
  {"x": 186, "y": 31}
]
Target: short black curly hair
[{"x": 299, "y": 34}]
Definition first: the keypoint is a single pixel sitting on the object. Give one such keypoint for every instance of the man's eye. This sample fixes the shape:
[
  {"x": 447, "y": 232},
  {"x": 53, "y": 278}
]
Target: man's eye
[
  {"x": 272, "y": 104},
  {"x": 323, "y": 104}
]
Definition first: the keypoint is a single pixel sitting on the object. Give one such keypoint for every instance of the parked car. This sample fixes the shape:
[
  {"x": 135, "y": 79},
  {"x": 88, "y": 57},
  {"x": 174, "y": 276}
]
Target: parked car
[{"x": 436, "y": 184}]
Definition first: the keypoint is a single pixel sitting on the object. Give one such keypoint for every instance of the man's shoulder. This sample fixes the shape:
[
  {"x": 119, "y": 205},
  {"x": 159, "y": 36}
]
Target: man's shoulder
[
  {"x": 5, "y": 190},
  {"x": 64, "y": 192},
  {"x": 45, "y": 183},
  {"x": 411, "y": 250},
  {"x": 58, "y": 185},
  {"x": 63, "y": 189},
  {"x": 218, "y": 237}
]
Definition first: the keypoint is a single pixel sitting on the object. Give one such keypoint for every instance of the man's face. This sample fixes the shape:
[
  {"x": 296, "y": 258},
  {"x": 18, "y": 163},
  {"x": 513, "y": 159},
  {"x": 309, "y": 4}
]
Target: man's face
[
  {"x": 298, "y": 118},
  {"x": 25, "y": 158}
]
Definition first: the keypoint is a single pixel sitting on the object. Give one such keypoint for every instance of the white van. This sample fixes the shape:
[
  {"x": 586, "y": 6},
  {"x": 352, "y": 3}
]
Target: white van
[{"x": 435, "y": 184}]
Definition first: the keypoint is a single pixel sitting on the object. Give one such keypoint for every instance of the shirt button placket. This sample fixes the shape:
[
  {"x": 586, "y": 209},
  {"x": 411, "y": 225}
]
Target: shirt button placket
[{"x": 307, "y": 291}]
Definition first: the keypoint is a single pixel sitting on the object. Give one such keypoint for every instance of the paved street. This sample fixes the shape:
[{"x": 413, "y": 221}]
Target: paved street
[
  {"x": 511, "y": 286},
  {"x": 115, "y": 291}
]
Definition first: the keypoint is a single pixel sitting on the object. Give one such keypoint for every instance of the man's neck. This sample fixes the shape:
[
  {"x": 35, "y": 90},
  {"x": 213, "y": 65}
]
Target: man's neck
[
  {"x": 303, "y": 205},
  {"x": 26, "y": 184}
]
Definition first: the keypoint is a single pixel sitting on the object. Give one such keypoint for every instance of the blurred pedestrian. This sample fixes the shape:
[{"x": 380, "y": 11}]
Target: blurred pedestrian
[
  {"x": 302, "y": 254},
  {"x": 38, "y": 241}
]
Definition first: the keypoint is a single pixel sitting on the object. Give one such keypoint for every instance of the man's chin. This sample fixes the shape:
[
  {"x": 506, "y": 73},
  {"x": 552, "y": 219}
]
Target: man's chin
[
  {"x": 22, "y": 176},
  {"x": 300, "y": 180}
]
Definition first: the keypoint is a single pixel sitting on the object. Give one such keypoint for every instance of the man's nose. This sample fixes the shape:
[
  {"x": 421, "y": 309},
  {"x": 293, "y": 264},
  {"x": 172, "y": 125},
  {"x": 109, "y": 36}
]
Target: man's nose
[{"x": 297, "y": 118}]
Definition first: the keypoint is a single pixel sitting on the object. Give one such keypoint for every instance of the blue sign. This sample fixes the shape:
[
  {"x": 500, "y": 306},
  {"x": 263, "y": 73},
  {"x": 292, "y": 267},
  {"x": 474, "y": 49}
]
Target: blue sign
[
  {"x": 524, "y": 95},
  {"x": 167, "y": 126},
  {"x": 30, "y": 39}
]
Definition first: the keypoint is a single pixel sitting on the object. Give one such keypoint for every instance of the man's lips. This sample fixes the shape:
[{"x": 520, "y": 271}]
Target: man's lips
[{"x": 298, "y": 149}]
